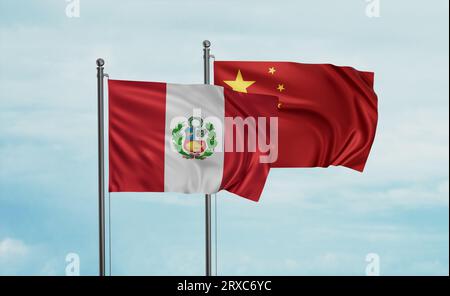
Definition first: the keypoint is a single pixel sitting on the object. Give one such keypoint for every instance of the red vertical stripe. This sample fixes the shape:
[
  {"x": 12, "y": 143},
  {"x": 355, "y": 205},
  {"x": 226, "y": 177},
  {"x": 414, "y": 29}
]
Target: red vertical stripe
[
  {"x": 243, "y": 173},
  {"x": 136, "y": 136}
]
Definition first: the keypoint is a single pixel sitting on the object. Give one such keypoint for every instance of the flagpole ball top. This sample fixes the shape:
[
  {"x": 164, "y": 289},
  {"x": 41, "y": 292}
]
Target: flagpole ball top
[
  {"x": 206, "y": 43},
  {"x": 100, "y": 62}
]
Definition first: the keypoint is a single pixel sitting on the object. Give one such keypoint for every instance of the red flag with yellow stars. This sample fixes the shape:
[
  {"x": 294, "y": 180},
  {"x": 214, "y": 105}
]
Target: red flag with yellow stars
[{"x": 327, "y": 114}]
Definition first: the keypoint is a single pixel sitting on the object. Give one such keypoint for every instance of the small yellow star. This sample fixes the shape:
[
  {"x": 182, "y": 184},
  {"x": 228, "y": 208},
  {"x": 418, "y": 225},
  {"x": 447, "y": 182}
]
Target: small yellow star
[
  {"x": 272, "y": 70},
  {"x": 239, "y": 84},
  {"x": 280, "y": 87}
]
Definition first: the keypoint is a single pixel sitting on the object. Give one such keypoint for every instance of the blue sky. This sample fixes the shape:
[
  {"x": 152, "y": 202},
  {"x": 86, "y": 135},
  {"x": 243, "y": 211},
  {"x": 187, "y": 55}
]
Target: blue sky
[{"x": 308, "y": 222}]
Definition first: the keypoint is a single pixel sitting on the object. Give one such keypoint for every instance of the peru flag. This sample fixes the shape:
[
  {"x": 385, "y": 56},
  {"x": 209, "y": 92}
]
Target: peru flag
[
  {"x": 327, "y": 114},
  {"x": 189, "y": 138}
]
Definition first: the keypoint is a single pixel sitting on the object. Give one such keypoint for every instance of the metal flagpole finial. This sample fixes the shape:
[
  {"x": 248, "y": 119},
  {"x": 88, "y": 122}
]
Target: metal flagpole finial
[
  {"x": 100, "y": 62},
  {"x": 206, "y": 43}
]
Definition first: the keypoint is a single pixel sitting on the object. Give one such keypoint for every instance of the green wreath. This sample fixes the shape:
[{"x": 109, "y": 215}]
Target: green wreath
[{"x": 211, "y": 141}]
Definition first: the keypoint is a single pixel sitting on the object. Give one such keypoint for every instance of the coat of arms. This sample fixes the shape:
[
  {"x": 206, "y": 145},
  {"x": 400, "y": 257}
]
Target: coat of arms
[{"x": 194, "y": 139}]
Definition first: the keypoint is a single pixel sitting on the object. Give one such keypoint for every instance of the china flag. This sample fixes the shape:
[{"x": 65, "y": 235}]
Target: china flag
[{"x": 327, "y": 114}]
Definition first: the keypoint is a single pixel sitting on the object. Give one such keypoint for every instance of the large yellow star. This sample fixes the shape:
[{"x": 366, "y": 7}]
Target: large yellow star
[{"x": 239, "y": 84}]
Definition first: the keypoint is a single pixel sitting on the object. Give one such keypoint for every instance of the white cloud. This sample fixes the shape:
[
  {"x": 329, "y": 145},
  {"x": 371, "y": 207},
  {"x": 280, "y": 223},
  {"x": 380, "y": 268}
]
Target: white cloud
[
  {"x": 20, "y": 258},
  {"x": 14, "y": 255},
  {"x": 48, "y": 104},
  {"x": 12, "y": 249}
]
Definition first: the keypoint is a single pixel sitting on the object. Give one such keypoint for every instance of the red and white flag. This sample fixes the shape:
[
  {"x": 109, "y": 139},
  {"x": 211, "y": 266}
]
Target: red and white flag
[{"x": 189, "y": 138}]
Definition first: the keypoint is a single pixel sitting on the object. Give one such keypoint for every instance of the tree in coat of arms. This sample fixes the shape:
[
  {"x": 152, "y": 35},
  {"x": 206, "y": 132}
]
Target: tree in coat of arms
[{"x": 194, "y": 139}]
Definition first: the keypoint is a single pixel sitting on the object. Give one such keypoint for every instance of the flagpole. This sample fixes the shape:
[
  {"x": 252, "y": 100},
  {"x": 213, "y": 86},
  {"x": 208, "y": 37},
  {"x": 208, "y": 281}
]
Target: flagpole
[
  {"x": 206, "y": 74},
  {"x": 101, "y": 171}
]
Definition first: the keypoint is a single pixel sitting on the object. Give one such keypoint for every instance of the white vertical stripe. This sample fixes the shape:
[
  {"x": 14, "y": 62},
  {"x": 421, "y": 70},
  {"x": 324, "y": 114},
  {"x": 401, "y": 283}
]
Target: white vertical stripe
[{"x": 193, "y": 175}]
